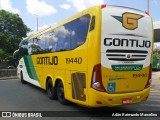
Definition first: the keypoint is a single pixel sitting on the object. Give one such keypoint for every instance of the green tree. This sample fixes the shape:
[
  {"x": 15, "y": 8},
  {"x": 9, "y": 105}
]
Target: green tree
[
  {"x": 12, "y": 30},
  {"x": 3, "y": 55}
]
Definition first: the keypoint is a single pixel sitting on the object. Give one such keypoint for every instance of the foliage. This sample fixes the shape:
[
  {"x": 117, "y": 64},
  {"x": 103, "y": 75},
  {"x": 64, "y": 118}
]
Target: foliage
[
  {"x": 3, "y": 55},
  {"x": 12, "y": 30}
]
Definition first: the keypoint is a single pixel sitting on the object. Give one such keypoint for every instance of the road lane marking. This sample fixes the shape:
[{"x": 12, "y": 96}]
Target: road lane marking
[
  {"x": 150, "y": 105},
  {"x": 153, "y": 100},
  {"x": 154, "y": 96}
]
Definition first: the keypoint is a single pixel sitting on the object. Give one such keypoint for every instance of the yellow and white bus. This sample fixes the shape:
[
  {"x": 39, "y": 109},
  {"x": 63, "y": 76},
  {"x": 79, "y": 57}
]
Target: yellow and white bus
[{"x": 99, "y": 57}]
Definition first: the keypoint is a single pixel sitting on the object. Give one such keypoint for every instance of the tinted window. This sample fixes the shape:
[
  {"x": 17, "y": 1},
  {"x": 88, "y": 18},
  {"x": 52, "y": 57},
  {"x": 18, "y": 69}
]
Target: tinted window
[
  {"x": 63, "y": 35},
  {"x": 44, "y": 43},
  {"x": 51, "y": 42},
  {"x": 79, "y": 31},
  {"x": 23, "y": 48},
  {"x": 33, "y": 46},
  {"x": 48, "y": 42},
  {"x": 66, "y": 37}
]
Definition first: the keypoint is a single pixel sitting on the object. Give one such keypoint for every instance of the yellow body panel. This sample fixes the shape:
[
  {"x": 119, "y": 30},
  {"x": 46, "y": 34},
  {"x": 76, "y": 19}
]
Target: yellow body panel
[
  {"x": 116, "y": 99},
  {"x": 129, "y": 81},
  {"x": 63, "y": 70}
]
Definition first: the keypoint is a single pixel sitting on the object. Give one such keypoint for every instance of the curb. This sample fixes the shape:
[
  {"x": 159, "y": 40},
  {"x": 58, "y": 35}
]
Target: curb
[
  {"x": 156, "y": 73},
  {"x": 6, "y": 78}
]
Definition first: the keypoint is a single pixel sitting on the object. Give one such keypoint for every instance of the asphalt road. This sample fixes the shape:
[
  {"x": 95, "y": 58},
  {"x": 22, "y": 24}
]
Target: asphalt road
[{"x": 15, "y": 96}]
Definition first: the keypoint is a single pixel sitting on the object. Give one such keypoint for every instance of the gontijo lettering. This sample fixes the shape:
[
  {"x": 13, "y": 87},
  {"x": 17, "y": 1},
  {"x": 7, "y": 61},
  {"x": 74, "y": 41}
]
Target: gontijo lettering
[
  {"x": 126, "y": 42},
  {"x": 47, "y": 60}
]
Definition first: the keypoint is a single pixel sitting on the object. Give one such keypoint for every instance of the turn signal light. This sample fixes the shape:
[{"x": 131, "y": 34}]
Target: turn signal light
[{"x": 96, "y": 82}]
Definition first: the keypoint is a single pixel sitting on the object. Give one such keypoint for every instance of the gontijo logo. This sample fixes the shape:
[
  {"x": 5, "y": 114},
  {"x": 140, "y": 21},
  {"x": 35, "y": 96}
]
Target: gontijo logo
[{"x": 129, "y": 20}]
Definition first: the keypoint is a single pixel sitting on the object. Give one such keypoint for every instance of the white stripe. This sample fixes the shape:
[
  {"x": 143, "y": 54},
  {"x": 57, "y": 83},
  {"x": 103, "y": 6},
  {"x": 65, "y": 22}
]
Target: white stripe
[
  {"x": 153, "y": 90},
  {"x": 154, "y": 94},
  {"x": 153, "y": 97},
  {"x": 152, "y": 105},
  {"x": 153, "y": 100}
]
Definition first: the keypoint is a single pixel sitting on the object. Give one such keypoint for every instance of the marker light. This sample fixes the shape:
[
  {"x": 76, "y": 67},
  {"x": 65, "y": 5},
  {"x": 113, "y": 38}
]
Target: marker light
[
  {"x": 103, "y": 6},
  {"x": 147, "y": 13}
]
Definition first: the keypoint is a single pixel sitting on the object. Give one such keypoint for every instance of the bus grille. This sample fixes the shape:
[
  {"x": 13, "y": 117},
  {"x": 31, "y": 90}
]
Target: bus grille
[{"x": 126, "y": 55}]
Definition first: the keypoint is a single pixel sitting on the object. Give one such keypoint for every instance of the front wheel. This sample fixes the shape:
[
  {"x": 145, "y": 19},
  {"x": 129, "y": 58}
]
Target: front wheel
[
  {"x": 21, "y": 78},
  {"x": 60, "y": 93}
]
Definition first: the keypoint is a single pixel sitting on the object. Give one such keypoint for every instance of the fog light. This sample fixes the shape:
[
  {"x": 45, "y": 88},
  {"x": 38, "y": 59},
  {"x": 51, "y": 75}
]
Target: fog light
[{"x": 138, "y": 96}]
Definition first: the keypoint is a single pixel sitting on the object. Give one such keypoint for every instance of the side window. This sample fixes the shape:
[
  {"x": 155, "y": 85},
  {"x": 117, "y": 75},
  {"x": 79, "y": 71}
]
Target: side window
[
  {"x": 29, "y": 46},
  {"x": 43, "y": 42},
  {"x": 34, "y": 47},
  {"x": 23, "y": 48},
  {"x": 62, "y": 34},
  {"x": 24, "y": 44},
  {"x": 66, "y": 37},
  {"x": 79, "y": 30},
  {"x": 52, "y": 41}
]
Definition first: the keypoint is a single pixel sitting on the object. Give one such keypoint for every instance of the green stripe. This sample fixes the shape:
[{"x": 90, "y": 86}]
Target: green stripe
[
  {"x": 30, "y": 68},
  {"x": 121, "y": 68},
  {"x": 119, "y": 18}
]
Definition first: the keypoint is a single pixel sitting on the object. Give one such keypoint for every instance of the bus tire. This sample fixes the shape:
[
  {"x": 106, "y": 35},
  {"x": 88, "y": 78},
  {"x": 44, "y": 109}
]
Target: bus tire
[
  {"x": 51, "y": 91},
  {"x": 21, "y": 78},
  {"x": 60, "y": 93}
]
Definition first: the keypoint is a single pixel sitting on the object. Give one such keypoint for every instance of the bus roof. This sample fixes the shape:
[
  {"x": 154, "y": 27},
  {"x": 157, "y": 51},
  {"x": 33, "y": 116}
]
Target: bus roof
[{"x": 72, "y": 18}]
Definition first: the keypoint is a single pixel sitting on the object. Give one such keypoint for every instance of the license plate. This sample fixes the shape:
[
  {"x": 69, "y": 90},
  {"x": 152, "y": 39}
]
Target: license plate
[{"x": 127, "y": 101}]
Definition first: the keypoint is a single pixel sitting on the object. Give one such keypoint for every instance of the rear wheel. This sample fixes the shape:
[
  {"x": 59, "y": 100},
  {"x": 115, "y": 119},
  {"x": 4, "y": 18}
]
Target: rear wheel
[
  {"x": 21, "y": 78},
  {"x": 51, "y": 91},
  {"x": 60, "y": 93}
]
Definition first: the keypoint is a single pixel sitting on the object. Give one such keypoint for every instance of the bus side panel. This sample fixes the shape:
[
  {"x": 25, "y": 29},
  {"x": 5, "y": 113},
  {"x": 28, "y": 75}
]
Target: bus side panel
[
  {"x": 26, "y": 66},
  {"x": 70, "y": 68},
  {"x": 75, "y": 64},
  {"x": 73, "y": 67},
  {"x": 94, "y": 46}
]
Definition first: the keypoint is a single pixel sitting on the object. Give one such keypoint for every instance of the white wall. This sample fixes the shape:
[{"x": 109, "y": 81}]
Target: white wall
[{"x": 156, "y": 25}]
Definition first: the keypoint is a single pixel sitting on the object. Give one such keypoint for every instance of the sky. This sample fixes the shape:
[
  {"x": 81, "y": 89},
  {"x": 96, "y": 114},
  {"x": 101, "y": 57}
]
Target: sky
[{"x": 50, "y": 12}]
